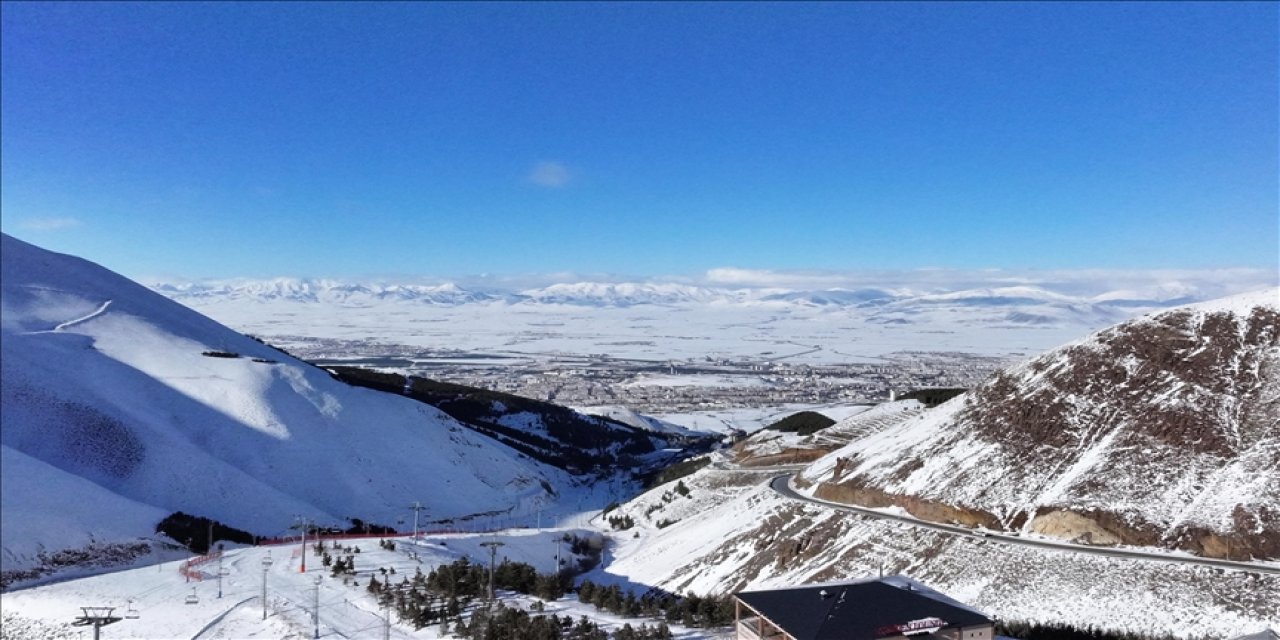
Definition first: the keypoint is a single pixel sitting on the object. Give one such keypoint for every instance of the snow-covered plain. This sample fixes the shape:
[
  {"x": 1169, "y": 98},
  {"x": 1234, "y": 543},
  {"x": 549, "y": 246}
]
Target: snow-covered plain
[{"x": 664, "y": 321}]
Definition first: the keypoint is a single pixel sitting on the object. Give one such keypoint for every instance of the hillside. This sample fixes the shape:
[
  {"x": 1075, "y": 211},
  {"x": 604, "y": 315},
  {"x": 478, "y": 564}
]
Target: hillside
[
  {"x": 578, "y": 442},
  {"x": 1160, "y": 431},
  {"x": 122, "y": 406},
  {"x": 769, "y": 447},
  {"x": 730, "y": 531}
]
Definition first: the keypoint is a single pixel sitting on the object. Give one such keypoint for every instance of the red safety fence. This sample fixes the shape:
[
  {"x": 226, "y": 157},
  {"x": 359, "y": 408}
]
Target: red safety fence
[
  {"x": 188, "y": 566},
  {"x": 311, "y": 538}
]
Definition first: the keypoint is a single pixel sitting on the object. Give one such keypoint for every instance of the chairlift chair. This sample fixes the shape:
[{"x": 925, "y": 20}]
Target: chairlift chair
[
  {"x": 131, "y": 612},
  {"x": 193, "y": 598}
]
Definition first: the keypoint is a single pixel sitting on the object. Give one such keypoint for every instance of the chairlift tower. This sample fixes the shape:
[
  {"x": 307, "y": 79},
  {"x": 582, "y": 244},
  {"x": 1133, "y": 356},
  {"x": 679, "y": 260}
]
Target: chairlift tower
[
  {"x": 315, "y": 611},
  {"x": 302, "y": 523},
  {"x": 266, "y": 564},
  {"x": 98, "y": 617},
  {"x": 416, "y": 506},
  {"x": 493, "y": 553},
  {"x": 221, "y": 572}
]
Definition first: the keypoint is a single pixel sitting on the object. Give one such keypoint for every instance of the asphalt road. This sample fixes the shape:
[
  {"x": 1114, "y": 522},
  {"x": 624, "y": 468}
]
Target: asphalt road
[{"x": 781, "y": 484}]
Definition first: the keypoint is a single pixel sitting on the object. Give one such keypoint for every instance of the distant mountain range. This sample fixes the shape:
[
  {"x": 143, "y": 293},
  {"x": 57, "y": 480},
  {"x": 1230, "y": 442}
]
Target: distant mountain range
[{"x": 627, "y": 294}]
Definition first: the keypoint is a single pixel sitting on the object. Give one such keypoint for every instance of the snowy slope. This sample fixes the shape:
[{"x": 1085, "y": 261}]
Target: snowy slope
[
  {"x": 732, "y": 532},
  {"x": 159, "y": 594},
  {"x": 1164, "y": 430},
  {"x": 768, "y": 447},
  {"x": 637, "y": 420},
  {"x": 109, "y": 404}
]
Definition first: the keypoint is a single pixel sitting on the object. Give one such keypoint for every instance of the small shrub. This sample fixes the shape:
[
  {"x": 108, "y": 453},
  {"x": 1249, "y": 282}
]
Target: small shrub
[{"x": 220, "y": 354}]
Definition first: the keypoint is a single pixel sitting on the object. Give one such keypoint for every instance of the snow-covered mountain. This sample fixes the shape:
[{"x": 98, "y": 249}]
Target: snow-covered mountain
[
  {"x": 673, "y": 321},
  {"x": 728, "y": 530},
  {"x": 627, "y": 294},
  {"x": 323, "y": 291},
  {"x": 1161, "y": 431},
  {"x": 989, "y": 314},
  {"x": 121, "y": 406}
]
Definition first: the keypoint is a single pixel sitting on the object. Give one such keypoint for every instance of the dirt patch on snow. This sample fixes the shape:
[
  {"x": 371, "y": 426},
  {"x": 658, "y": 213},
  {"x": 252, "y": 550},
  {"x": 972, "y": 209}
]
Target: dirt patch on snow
[
  {"x": 922, "y": 508},
  {"x": 1073, "y": 527},
  {"x": 787, "y": 456}
]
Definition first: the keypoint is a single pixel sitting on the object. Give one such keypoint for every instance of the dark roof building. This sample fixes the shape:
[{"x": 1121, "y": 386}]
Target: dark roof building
[{"x": 893, "y": 607}]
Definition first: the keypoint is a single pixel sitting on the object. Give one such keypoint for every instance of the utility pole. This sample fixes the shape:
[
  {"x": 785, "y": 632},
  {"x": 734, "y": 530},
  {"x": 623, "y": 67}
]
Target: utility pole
[
  {"x": 266, "y": 564},
  {"x": 315, "y": 611},
  {"x": 303, "y": 523},
  {"x": 493, "y": 553},
  {"x": 220, "y": 571},
  {"x": 386, "y": 619},
  {"x": 416, "y": 506},
  {"x": 98, "y": 617}
]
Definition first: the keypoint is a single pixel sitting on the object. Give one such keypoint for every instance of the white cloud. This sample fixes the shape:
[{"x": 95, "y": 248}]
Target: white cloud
[
  {"x": 552, "y": 175},
  {"x": 48, "y": 224}
]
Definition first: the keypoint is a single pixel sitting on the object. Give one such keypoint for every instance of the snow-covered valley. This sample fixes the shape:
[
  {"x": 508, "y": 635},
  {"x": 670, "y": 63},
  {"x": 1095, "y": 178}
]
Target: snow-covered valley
[{"x": 122, "y": 407}]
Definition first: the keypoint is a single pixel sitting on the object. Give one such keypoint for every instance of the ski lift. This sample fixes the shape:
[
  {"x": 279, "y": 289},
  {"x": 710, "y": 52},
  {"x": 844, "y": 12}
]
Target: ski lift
[
  {"x": 131, "y": 612},
  {"x": 193, "y": 598}
]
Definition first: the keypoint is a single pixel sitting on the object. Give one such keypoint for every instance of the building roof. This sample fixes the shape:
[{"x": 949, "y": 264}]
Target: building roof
[
  {"x": 855, "y": 610},
  {"x": 1265, "y": 634}
]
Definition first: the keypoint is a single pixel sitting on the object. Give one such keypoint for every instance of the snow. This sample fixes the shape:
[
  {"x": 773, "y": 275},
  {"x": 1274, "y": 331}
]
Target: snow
[
  {"x": 159, "y": 593},
  {"x": 696, "y": 380},
  {"x": 662, "y": 322},
  {"x": 751, "y": 419},
  {"x": 112, "y": 411},
  {"x": 108, "y": 399},
  {"x": 637, "y": 420},
  {"x": 734, "y": 533},
  {"x": 83, "y": 512},
  {"x": 940, "y": 455}
]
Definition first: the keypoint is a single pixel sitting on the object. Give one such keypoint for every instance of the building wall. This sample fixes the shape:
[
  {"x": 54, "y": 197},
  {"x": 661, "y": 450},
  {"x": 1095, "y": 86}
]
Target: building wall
[{"x": 984, "y": 632}]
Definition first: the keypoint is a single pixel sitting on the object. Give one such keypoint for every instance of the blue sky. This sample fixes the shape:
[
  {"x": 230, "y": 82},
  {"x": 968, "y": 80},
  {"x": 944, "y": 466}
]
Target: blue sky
[{"x": 239, "y": 139}]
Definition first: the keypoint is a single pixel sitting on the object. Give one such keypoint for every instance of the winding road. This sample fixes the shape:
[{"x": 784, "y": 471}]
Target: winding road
[{"x": 782, "y": 485}]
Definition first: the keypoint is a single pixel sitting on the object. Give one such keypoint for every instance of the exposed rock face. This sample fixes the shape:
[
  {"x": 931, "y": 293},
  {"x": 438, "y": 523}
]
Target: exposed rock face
[{"x": 1164, "y": 430}]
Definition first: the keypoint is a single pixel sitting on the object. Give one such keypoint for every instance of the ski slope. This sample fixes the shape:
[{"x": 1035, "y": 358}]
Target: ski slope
[{"x": 117, "y": 409}]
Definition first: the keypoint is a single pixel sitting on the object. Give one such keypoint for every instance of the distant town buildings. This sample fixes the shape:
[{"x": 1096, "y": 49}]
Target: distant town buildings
[{"x": 665, "y": 386}]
